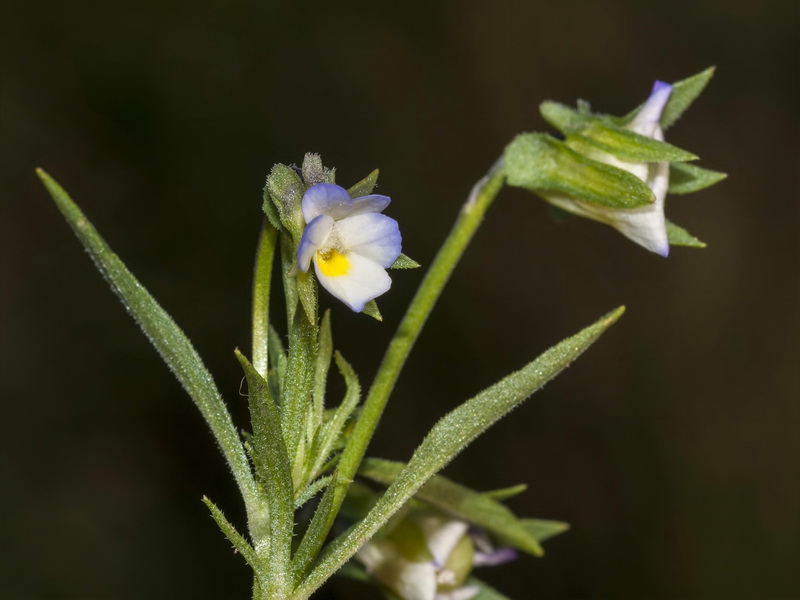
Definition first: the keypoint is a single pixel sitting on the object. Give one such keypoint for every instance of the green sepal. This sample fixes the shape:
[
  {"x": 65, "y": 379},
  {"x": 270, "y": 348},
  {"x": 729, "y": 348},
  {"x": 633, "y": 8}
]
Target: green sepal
[
  {"x": 539, "y": 162},
  {"x": 364, "y": 187},
  {"x": 314, "y": 172},
  {"x": 240, "y": 544},
  {"x": 625, "y": 145},
  {"x": 683, "y": 94},
  {"x": 271, "y": 210},
  {"x": 286, "y": 193},
  {"x": 563, "y": 117},
  {"x": 289, "y": 272},
  {"x": 371, "y": 309},
  {"x": 678, "y": 236},
  {"x": 404, "y": 262},
  {"x": 453, "y": 498},
  {"x": 685, "y": 179}
]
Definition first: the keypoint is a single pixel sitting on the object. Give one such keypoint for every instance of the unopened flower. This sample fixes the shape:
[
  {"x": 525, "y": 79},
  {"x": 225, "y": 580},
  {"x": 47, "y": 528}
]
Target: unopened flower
[
  {"x": 350, "y": 243},
  {"x": 645, "y": 225}
]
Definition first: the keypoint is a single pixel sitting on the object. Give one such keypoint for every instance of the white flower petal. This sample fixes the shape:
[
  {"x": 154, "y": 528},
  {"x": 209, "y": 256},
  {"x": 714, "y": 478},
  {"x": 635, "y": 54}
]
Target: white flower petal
[
  {"x": 325, "y": 199},
  {"x": 442, "y": 535},
  {"x": 649, "y": 116},
  {"x": 371, "y": 235},
  {"x": 362, "y": 280},
  {"x": 374, "y": 203},
  {"x": 314, "y": 237}
]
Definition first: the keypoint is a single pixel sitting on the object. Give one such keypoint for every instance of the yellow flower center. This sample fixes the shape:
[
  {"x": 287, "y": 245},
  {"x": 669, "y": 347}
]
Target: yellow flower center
[{"x": 333, "y": 263}]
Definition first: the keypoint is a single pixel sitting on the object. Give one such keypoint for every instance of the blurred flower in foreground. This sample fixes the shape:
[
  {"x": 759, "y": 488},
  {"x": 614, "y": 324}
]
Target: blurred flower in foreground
[
  {"x": 429, "y": 556},
  {"x": 616, "y": 170},
  {"x": 350, "y": 242}
]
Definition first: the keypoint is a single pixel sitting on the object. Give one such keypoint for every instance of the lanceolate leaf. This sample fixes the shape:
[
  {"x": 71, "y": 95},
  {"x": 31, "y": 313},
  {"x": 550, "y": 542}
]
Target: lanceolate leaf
[
  {"x": 371, "y": 309},
  {"x": 460, "y": 501},
  {"x": 171, "y": 343},
  {"x": 543, "y": 529},
  {"x": 404, "y": 262},
  {"x": 486, "y": 592},
  {"x": 241, "y": 545},
  {"x": 447, "y": 438},
  {"x": 685, "y": 178}
]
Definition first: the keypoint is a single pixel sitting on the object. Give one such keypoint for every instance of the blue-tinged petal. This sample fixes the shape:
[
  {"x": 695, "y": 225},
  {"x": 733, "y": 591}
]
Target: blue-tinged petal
[
  {"x": 373, "y": 203},
  {"x": 353, "y": 279},
  {"x": 648, "y": 119},
  {"x": 371, "y": 235},
  {"x": 325, "y": 199},
  {"x": 315, "y": 235}
]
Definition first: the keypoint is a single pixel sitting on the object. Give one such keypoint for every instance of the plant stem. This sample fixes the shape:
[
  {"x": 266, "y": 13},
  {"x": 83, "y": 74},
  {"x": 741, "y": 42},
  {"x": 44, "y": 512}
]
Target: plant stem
[
  {"x": 262, "y": 279},
  {"x": 470, "y": 217}
]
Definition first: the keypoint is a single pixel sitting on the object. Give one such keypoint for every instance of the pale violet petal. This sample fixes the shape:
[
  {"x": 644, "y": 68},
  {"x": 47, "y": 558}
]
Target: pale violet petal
[
  {"x": 314, "y": 237},
  {"x": 372, "y": 236},
  {"x": 649, "y": 117},
  {"x": 364, "y": 280},
  {"x": 325, "y": 199},
  {"x": 466, "y": 592},
  {"x": 373, "y": 203}
]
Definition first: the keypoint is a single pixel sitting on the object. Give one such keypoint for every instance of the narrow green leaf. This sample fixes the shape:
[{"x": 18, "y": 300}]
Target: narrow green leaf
[
  {"x": 543, "y": 529},
  {"x": 506, "y": 493},
  {"x": 271, "y": 210},
  {"x": 626, "y": 145},
  {"x": 276, "y": 477},
  {"x": 371, "y": 310},
  {"x": 240, "y": 544},
  {"x": 364, "y": 187},
  {"x": 447, "y": 438},
  {"x": 486, "y": 592},
  {"x": 684, "y": 93},
  {"x": 678, "y": 236},
  {"x": 685, "y": 179},
  {"x": 171, "y": 343},
  {"x": 404, "y": 262},
  {"x": 539, "y": 162},
  {"x": 458, "y": 500},
  {"x": 262, "y": 279}
]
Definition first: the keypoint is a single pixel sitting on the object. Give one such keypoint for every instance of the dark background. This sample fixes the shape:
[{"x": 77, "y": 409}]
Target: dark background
[{"x": 671, "y": 446}]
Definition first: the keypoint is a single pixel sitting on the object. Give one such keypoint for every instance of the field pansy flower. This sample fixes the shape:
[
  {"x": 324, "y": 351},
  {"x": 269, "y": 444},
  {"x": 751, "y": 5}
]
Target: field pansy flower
[
  {"x": 350, "y": 243},
  {"x": 644, "y": 225}
]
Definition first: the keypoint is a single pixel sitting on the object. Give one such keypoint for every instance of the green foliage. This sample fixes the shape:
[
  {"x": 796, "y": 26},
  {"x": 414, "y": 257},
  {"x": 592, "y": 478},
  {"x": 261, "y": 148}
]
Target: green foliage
[
  {"x": 314, "y": 172},
  {"x": 168, "y": 339},
  {"x": 684, "y": 93},
  {"x": 458, "y": 500},
  {"x": 685, "y": 179},
  {"x": 241, "y": 545},
  {"x": 624, "y": 144},
  {"x": 404, "y": 262},
  {"x": 448, "y": 438},
  {"x": 539, "y": 162},
  {"x": 285, "y": 190},
  {"x": 371, "y": 310},
  {"x": 364, "y": 187},
  {"x": 678, "y": 236}
]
